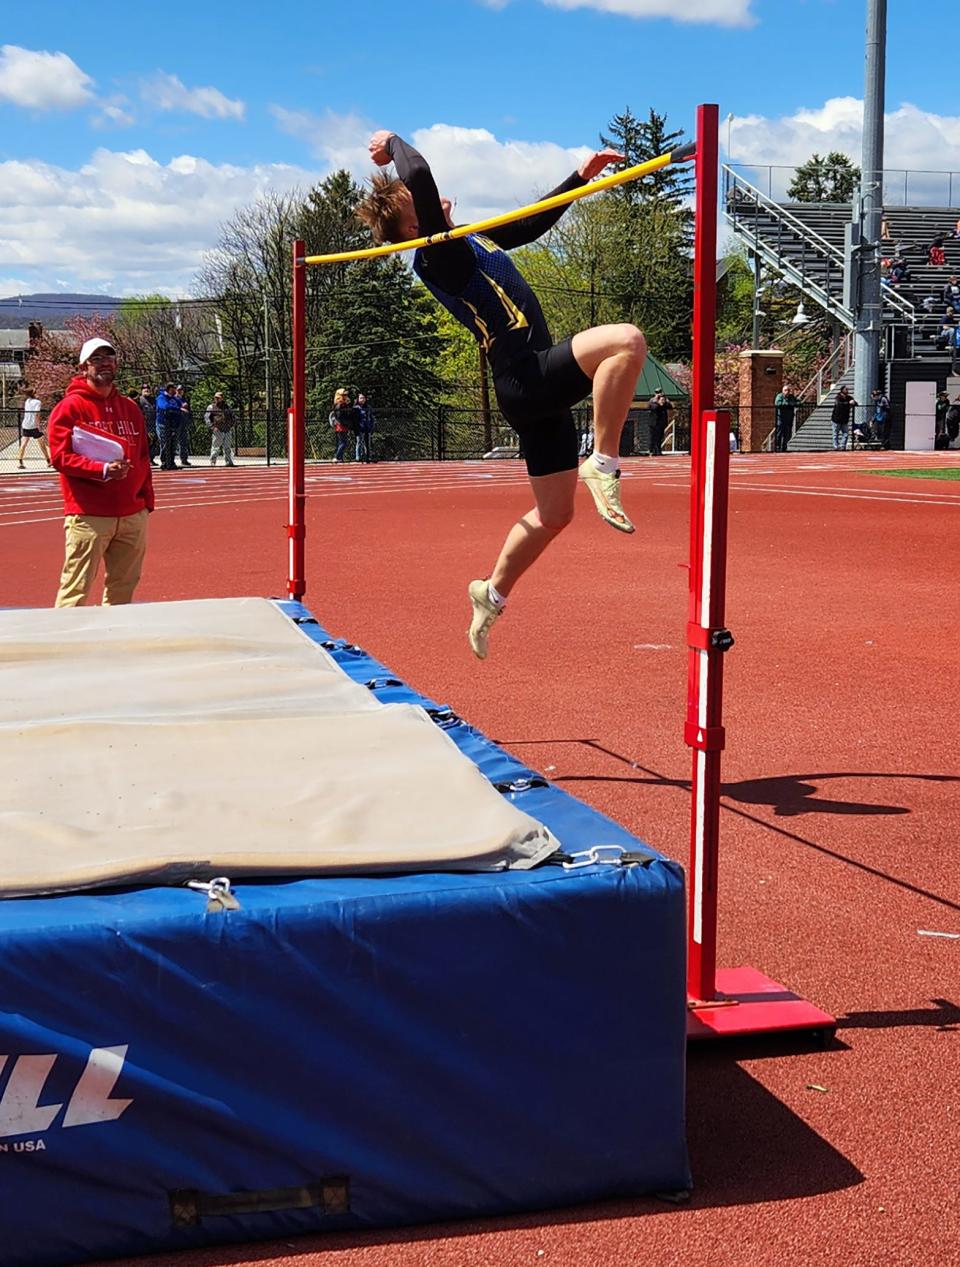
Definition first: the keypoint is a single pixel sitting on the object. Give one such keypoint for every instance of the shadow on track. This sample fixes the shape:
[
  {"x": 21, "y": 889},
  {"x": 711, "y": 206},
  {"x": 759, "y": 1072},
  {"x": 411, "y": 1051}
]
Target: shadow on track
[{"x": 943, "y": 1016}]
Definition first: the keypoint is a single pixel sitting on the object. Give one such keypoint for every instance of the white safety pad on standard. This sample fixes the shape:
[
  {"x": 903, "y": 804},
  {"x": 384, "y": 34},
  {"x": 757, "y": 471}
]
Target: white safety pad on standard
[{"x": 165, "y": 741}]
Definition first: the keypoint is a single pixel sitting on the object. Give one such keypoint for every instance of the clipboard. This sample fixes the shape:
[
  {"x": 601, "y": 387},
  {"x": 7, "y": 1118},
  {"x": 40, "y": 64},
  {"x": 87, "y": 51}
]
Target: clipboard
[{"x": 99, "y": 448}]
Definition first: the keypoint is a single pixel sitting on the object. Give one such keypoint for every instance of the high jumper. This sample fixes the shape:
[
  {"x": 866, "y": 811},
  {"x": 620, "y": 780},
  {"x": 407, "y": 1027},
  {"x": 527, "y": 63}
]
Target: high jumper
[{"x": 536, "y": 381}]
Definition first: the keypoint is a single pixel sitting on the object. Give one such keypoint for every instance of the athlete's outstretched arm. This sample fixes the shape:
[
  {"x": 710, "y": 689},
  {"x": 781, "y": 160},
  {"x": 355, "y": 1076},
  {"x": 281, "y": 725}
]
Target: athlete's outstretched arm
[
  {"x": 522, "y": 232},
  {"x": 450, "y": 264}
]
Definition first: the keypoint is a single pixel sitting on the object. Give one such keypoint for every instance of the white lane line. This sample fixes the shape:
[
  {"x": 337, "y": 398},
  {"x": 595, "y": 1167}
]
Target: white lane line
[{"x": 814, "y": 492}]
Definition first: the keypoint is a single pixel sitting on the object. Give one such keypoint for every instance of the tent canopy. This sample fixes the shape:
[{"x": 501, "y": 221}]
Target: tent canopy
[{"x": 655, "y": 377}]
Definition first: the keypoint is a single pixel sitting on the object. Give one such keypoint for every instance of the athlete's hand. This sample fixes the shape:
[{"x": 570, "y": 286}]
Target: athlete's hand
[
  {"x": 595, "y": 164},
  {"x": 377, "y": 146},
  {"x": 118, "y": 470}
]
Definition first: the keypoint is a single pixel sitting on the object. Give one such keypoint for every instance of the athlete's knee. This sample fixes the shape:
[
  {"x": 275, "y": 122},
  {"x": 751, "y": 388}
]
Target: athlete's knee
[
  {"x": 633, "y": 342},
  {"x": 553, "y": 521}
]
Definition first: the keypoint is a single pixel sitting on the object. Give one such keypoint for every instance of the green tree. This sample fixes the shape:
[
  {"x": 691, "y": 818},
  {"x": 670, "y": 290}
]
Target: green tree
[
  {"x": 734, "y": 299},
  {"x": 640, "y": 140},
  {"x": 830, "y": 179},
  {"x": 371, "y": 326},
  {"x": 643, "y": 254}
]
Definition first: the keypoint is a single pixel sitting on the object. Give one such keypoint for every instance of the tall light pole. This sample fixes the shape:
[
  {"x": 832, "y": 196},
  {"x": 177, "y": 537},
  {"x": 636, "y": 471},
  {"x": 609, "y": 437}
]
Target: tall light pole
[{"x": 868, "y": 212}]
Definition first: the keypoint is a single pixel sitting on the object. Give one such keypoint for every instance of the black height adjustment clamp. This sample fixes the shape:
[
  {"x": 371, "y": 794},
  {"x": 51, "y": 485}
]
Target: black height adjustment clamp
[{"x": 701, "y": 639}]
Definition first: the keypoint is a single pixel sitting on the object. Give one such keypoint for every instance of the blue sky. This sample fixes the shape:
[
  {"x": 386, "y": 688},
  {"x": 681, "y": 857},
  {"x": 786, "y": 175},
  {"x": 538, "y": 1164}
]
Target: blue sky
[{"x": 127, "y": 135}]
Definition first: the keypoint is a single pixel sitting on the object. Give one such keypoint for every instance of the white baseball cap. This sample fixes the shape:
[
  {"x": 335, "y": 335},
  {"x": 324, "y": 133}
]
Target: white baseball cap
[{"x": 91, "y": 346}]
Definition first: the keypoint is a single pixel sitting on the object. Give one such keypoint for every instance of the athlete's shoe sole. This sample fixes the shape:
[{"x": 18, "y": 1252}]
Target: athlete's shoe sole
[
  {"x": 484, "y": 615},
  {"x": 605, "y": 491}
]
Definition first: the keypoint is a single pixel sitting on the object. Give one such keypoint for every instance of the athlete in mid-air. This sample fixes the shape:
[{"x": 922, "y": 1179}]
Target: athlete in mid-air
[{"x": 536, "y": 381}]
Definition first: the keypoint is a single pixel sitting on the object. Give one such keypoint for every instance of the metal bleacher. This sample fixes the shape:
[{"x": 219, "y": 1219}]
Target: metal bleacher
[{"x": 804, "y": 243}]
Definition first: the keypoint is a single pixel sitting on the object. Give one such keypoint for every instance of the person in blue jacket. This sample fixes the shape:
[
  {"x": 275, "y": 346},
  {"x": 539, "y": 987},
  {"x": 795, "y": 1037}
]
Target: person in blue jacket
[{"x": 168, "y": 425}]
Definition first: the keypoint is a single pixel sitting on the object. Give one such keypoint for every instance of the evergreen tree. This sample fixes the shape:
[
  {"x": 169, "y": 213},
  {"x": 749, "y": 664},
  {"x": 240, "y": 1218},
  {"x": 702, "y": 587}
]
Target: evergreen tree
[
  {"x": 830, "y": 179},
  {"x": 370, "y": 325},
  {"x": 639, "y": 141}
]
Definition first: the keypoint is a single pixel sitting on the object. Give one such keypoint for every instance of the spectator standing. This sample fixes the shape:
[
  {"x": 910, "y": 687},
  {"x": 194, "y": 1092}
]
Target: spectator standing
[
  {"x": 185, "y": 428},
  {"x": 31, "y": 428},
  {"x": 658, "y": 407},
  {"x": 935, "y": 254},
  {"x": 366, "y": 423},
  {"x": 344, "y": 420},
  {"x": 219, "y": 418},
  {"x": 840, "y": 417},
  {"x": 881, "y": 417},
  {"x": 98, "y": 443},
  {"x": 785, "y": 409},
  {"x": 168, "y": 425},
  {"x": 951, "y": 420},
  {"x": 940, "y": 415},
  {"x": 148, "y": 407}
]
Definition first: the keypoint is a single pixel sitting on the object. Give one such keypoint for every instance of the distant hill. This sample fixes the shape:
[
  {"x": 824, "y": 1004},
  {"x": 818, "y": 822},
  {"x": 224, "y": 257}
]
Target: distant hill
[{"x": 54, "y": 309}]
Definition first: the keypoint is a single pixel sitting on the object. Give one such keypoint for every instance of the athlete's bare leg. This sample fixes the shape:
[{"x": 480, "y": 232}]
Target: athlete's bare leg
[
  {"x": 530, "y": 536},
  {"x": 612, "y": 357}
]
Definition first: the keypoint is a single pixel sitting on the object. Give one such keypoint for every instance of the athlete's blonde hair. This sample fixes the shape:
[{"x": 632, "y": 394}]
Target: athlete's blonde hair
[
  {"x": 340, "y": 395},
  {"x": 380, "y": 211}
]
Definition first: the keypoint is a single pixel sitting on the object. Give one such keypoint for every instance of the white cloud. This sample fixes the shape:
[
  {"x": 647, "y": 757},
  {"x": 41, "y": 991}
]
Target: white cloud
[
  {"x": 715, "y": 12},
  {"x": 123, "y": 222},
  {"x": 14, "y": 286},
  {"x": 126, "y": 223},
  {"x": 913, "y": 138},
  {"x": 917, "y": 142},
  {"x": 42, "y": 81},
  {"x": 484, "y": 174},
  {"x": 488, "y": 176},
  {"x": 113, "y": 114},
  {"x": 337, "y": 139},
  {"x": 167, "y": 92}
]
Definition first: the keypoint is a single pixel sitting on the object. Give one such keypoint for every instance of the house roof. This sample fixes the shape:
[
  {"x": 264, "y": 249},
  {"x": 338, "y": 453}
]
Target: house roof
[
  {"x": 14, "y": 340},
  {"x": 655, "y": 377}
]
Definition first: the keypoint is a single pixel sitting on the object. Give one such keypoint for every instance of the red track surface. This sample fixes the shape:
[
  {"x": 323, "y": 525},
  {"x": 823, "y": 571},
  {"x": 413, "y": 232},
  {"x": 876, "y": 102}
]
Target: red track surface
[{"x": 840, "y": 818}]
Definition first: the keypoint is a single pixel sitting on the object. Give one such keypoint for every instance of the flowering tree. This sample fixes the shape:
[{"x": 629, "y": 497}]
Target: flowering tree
[{"x": 54, "y": 360}]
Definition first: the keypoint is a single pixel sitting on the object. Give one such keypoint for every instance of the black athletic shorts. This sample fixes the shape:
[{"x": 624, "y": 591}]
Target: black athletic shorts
[
  {"x": 30, "y": 433},
  {"x": 536, "y": 394}
]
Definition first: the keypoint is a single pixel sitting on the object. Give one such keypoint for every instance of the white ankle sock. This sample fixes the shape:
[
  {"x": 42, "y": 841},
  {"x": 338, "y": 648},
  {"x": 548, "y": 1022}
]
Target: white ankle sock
[
  {"x": 604, "y": 464},
  {"x": 498, "y": 600}
]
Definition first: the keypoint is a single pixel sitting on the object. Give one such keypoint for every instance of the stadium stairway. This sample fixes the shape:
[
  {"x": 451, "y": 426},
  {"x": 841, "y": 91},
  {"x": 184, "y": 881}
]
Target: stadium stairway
[
  {"x": 816, "y": 432},
  {"x": 805, "y": 243}
]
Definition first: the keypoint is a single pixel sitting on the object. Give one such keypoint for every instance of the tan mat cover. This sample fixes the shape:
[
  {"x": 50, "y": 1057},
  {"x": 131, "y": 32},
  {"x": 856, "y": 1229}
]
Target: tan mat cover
[{"x": 173, "y": 740}]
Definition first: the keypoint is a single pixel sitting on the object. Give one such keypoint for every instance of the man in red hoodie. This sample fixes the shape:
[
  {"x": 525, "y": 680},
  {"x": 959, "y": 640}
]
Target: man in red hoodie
[{"x": 98, "y": 443}]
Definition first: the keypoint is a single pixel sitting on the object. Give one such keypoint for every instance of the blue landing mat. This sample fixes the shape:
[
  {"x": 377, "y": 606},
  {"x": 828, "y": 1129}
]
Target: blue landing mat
[{"x": 342, "y": 1053}]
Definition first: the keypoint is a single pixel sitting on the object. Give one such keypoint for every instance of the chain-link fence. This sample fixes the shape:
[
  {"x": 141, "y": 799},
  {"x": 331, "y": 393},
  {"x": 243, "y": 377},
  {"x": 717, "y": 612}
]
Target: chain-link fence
[
  {"x": 453, "y": 433},
  {"x": 756, "y": 428}
]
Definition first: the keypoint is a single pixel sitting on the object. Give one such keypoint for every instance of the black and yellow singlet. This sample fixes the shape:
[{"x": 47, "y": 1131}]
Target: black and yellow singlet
[{"x": 473, "y": 277}]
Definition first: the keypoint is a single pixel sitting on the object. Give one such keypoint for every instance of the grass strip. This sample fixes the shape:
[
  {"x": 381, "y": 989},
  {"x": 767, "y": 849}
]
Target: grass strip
[{"x": 924, "y": 473}]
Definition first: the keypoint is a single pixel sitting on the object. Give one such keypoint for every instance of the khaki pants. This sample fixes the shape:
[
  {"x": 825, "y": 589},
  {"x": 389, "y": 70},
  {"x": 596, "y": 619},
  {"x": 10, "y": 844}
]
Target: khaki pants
[
  {"x": 120, "y": 543},
  {"x": 221, "y": 441}
]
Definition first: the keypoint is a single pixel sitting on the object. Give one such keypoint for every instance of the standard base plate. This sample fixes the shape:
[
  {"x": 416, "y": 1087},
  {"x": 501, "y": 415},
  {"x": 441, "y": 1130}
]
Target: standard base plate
[{"x": 747, "y": 1002}]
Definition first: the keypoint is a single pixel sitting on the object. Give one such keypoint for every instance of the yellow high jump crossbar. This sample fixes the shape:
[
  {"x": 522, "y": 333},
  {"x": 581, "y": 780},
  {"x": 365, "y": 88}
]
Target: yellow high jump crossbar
[{"x": 681, "y": 155}]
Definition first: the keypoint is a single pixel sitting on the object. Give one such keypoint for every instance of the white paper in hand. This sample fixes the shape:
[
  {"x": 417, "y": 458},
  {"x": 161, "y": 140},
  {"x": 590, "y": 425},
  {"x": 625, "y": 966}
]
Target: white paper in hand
[{"x": 96, "y": 447}]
